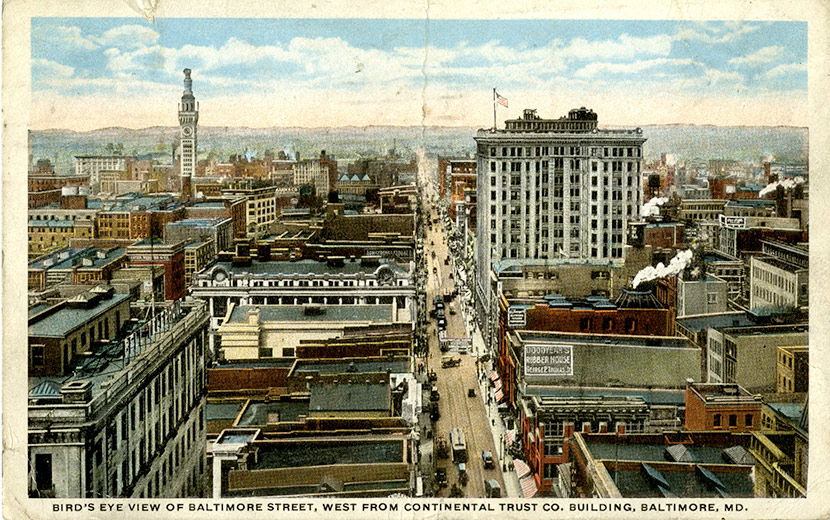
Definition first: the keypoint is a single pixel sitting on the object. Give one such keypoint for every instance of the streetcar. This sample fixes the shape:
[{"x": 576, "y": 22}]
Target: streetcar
[{"x": 458, "y": 445}]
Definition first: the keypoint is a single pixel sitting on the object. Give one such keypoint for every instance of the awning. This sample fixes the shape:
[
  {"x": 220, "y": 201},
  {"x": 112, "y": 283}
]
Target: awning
[
  {"x": 499, "y": 396},
  {"x": 508, "y": 438},
  {"x": 528, "y": 487},
  {"x": 493, "y": 376},
  {"x": 522, "y": 469},
  {"x": 497, "y": 385}
]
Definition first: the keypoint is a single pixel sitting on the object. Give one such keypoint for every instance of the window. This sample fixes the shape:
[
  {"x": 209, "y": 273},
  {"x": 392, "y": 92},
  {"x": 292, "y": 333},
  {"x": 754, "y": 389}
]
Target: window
[
  {"x": 549, "y": 471},
  {"x": 38, "y": 356},
  {"x": 716, "y": 420},
  {"x": 748, "y": 419},
  {"x": 733, "y": 420}
]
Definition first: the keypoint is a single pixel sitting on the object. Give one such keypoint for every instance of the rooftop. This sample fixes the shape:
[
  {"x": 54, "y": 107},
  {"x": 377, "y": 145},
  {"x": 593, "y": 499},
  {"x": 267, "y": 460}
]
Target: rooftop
[
  {"x": 349, "y": 267},
  {"x": 350, "y": 397},
  {"x": 197, "y": 222},
  {"x": 714, "y": 321},
  {"x": 272, "y": 313},
  {"x": 257, "y": 414},
  {"x": 780, "y": 264},
  {"x": 650, "y": 396},
  {"x": 605, "y": 339},
  {"x": 104, "y": 367},
  {"x": 222, "y": 411},
  {"x": 51, "y": 223},
  {"x": 67, "y": 319},
  {"x": 70, "y": 257},
  {"x": 359, "y": 366},
  {"x": 515, "y": 265},
  {"x": 326, "y": 453}
]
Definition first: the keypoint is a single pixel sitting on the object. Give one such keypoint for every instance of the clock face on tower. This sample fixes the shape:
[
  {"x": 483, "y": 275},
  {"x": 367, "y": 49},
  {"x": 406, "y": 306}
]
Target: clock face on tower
[{"x": 187, "y": 131}]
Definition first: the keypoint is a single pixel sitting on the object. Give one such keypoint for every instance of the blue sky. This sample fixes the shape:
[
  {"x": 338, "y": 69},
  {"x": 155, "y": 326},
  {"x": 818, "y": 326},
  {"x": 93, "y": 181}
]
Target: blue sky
[{"x": 95, "y": 72}]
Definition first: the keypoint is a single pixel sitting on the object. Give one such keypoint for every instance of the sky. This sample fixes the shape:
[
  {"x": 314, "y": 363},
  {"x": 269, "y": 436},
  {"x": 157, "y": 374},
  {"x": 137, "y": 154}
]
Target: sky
[{"x": 90, "y": 73}]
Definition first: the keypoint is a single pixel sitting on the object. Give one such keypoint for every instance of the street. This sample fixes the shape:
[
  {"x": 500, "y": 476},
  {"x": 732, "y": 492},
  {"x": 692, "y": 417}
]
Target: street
[{"x": 458, "y": 410}]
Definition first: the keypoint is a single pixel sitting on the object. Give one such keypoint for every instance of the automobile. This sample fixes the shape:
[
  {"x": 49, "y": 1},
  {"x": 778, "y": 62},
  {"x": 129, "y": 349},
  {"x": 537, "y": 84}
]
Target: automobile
[
  {"x": 434, "y": 395},
  {"x": 439, "y": 304},
  {"x": 434, "y": 270},
  {"x": 442, "y": 449},
  {"x": 434, "y": 414},
  {"x": 492, "y": 488},
  {"x": 440, "y": 314},
  {"x": 462, "y": 473},
  {"x": 441, "y": 477},
  {"x": 487, "y": 458},
  {"x": 452, "y": 311},
  {"x": 442, "y": 324},
  {"x": 471, "y": 392},
  {"x": 450, "y": 361},
  {"x": 432, "y": 375}
]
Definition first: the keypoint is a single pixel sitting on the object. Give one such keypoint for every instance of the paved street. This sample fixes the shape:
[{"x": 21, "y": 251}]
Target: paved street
[{"x": 458, "y": 410}]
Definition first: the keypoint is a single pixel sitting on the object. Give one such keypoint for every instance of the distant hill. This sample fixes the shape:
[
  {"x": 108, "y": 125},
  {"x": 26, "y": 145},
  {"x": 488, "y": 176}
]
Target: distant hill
[{"x": 685, "y": 142}]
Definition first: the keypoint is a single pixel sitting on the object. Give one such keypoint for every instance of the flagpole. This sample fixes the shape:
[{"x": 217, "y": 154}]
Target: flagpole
[{"x": 494, "y": 109}]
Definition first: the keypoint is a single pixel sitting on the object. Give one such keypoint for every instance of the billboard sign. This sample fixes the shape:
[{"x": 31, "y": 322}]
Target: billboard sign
[
  {"x": 516, "y": 317},
  {"x": 548, "y": 359}
]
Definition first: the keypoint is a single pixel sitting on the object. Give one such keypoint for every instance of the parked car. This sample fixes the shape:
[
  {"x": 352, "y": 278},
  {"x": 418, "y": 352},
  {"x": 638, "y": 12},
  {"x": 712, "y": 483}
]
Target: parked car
[
  {"x": 492, "y": 488},
  {"x": 487, "y": 458},
  {"x": 450, "y": 361},
  {"x": 471, "y": 392},
  {"x": 441, "y": 477}
]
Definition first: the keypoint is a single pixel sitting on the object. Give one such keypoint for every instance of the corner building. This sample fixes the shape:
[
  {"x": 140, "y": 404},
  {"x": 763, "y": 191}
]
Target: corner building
[{"x": 554, "y": 188}]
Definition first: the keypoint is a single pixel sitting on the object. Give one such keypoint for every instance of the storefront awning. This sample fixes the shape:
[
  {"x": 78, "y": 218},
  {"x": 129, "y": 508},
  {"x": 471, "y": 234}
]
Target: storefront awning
[
  {"x": 499, "y": 396},
  {"x": 493, "y": 376},
  {"x": 522, "y": 469},
  {"x": 528, "y": 487},
  {"x": 508, "y": 438}
]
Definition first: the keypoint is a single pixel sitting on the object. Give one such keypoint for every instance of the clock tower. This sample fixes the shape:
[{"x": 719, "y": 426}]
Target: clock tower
[{"x": 188, "y": 118}]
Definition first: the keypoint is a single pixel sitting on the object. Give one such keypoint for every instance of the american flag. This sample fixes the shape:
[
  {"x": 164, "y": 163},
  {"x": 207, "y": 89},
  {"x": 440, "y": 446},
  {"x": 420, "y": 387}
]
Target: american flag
[{"x": 501, "y": 100}]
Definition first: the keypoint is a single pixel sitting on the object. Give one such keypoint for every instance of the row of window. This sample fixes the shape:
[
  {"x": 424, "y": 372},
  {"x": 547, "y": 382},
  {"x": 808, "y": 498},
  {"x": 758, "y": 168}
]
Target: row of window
[
  {"x": 541, "y": 151},
  {"x": 733, "y": 420}
]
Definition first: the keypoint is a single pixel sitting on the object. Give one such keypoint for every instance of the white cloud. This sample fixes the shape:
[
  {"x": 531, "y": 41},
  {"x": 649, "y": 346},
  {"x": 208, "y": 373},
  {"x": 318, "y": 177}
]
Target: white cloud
[
  {"x": 52, "y": 68},
  {"x": 600, "y": 68},
  {"x": 785, "y": 70},
  {"x": 762, "y": 55},
  {"x": 129, "y": 36},
  {"x": 626, "y": 47},
  {"x": 707, "y": 32},
  {"x": 74, "y": 36}
]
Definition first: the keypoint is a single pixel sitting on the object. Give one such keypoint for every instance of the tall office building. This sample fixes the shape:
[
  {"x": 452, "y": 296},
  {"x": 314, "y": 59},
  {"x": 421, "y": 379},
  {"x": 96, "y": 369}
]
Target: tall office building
[
  {"x": 553, "y": 189},
  {"x": 188, "y": 119}
]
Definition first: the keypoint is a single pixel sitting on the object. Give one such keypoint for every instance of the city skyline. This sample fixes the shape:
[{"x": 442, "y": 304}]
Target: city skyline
[{"x": 278, "y": 72}]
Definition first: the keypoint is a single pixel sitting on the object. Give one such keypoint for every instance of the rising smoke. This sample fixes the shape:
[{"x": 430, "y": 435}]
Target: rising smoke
[
  {"x": 787, "y": 184},
  {"x": 652, "y": 207},
  {"x": 677, "y": 264}
]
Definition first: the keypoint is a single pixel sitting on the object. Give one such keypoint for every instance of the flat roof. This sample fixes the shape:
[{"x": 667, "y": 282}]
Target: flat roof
[
  {"x": 343, "y": 397},
  {"x": 684, "y": 484},
  {"x": 714, "y": 321},
  {"x": 352, "y": 365},
  {"x": 219, "y": 411},
  {"x": 515, "y": 265},
  {"x": 791, "y": 411},
  {"x": 327, "y": 453},
  {"x": 67, "y": 319},
  {"x": 51, "y": 223},
  {"x": 197, "y": 222},
  {"x": 307, "y": 266},
  {"x": 606, "y": 339},
  {"x": 256, "y": 414},
  {"x": 372, "y": 313},
  {"x": 780, "y": 264},
  {"x": 650, "y": 396},
  {"x": 652, "y": 452},
  {"x": 80, "y": 253}
]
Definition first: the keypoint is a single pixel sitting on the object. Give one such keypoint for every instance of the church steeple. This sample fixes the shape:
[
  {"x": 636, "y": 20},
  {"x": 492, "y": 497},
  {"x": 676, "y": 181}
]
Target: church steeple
[{"x": 188, "y": 119}]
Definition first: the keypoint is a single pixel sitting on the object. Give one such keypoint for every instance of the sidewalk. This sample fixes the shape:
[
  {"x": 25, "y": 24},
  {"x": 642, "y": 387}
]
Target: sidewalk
[{"x": 511, "y": 482}]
